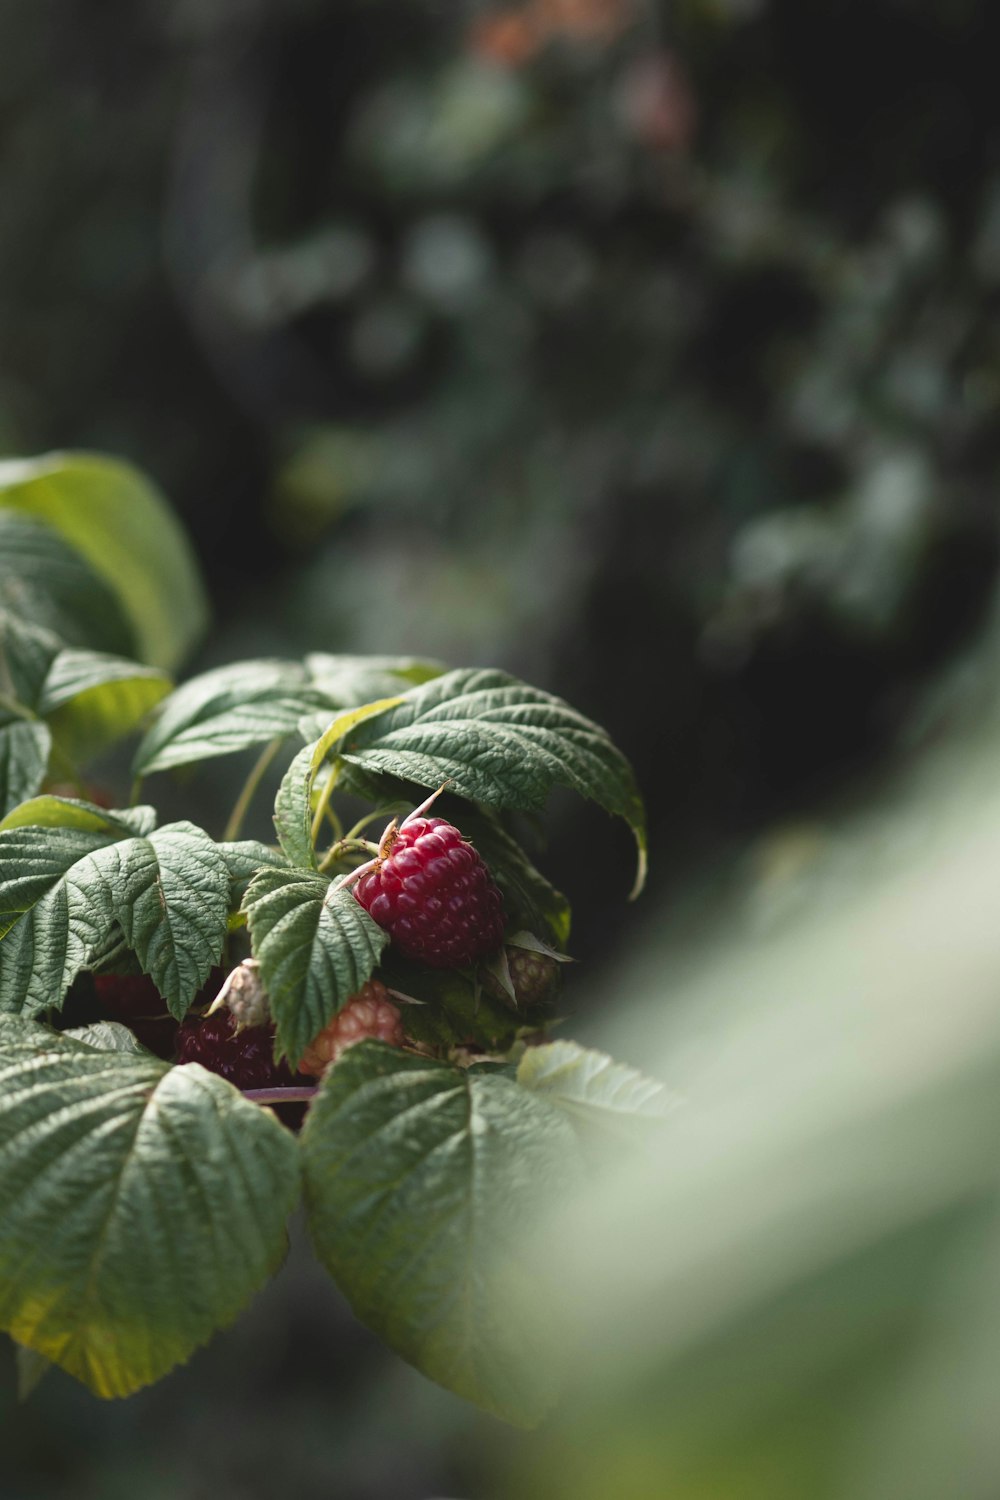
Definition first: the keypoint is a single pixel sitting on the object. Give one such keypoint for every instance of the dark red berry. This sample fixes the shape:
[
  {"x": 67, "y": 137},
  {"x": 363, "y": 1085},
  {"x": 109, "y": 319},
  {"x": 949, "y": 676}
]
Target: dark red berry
[
  {"x": 434, "y": 896},
  {"x": 245, "y": 1058}
]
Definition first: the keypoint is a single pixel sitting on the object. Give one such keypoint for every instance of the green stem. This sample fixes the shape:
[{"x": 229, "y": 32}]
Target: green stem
[
  {"x": 253, "y": 781},
  {"x": 136, "y": 792},
  {"x": 323, "y": 808},
  {"x": 336, "y": 852},
  {"x": 336, "y": 826},
  {"x": 380, "y": 812}
]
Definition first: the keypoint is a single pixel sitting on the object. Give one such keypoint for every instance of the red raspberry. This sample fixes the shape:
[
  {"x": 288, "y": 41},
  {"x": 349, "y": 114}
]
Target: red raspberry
[
  {"x": 434, "y": 896},
  {"x": 246, "y": 1058},
  {"x": 368, "y": 1014}
]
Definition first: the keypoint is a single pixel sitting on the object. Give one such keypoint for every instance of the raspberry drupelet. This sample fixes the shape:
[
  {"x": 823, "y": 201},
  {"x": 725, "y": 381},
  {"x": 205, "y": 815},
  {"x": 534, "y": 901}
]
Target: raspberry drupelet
[{"x": 434, "y": 895}]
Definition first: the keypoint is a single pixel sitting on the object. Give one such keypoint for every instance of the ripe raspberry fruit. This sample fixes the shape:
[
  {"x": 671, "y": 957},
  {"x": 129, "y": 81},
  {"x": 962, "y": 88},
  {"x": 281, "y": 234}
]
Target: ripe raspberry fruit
[
  {"x": 433, "y": 895},
  {"x": 245, "y": 1058},
  {"x": 369, "y": 1014}
]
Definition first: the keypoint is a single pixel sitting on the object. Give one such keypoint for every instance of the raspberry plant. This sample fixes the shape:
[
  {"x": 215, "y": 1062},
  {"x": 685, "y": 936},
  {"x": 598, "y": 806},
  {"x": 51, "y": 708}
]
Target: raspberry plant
[{"x": 391, "y": 981}]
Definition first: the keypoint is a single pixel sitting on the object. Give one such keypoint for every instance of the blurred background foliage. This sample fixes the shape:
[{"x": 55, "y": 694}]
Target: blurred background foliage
[{"x": 648, "y": 351}]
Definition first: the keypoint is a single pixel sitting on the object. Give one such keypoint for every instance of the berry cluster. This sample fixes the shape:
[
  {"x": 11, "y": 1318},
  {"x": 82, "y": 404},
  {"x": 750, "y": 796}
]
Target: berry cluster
[
  {"x": 245, "y": 1058},
  {"x": 369, "y": 1014},
  {"x": 434, "y": 896}
]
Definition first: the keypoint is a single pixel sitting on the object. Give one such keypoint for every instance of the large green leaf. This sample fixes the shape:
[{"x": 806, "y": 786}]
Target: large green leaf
[
  {"x": 63, "y": 889},
  {"x": 592, "y": 1089},
  {"x": 316, "y": 945},
  {"x": 499, "y": 742},
  {"x": 143, "y": 1205},
  {"x": 126, "y": 531},
  {"x": 45, "y": 581},
  {"x": 90, "y": 699},
  {"x": 232, "y": 708},
  {"x": 421, "y": 1180}
]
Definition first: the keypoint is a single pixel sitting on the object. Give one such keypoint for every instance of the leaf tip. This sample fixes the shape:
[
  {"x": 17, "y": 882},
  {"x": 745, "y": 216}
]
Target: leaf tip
[{"x": 641, "y": 869}]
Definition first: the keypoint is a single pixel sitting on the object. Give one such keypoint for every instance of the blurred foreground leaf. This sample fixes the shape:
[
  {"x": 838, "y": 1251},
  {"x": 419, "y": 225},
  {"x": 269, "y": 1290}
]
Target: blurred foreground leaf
[
  {"x": 808, "y": 1302},
  {"x": 121, "y": 524}
]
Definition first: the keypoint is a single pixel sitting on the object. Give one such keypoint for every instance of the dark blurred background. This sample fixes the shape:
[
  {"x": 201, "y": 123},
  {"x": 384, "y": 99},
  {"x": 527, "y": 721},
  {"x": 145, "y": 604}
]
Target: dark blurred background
[{"x": 650, "y": 352}]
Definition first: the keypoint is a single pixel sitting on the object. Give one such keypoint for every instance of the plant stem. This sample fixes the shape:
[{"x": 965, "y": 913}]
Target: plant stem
[
  {"x": 299, "y": 1095},
  {"x": 380, "y": 812},
  {"x": 253, "y": 781},
  {"x": 323, "y": 806},
  {"x": 337, "y": 851}
]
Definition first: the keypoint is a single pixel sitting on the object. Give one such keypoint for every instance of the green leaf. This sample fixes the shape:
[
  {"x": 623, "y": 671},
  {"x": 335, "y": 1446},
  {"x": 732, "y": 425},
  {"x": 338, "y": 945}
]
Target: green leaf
[
  {"x": 82, "y": 699},
  {"x": 143, "y": 1206},
  {"x": 46, "y": 582},
  {"x": 90, "y": 700},
  {"x": 107, "y": 1036},
  {"x": 26, "y": 654},
  {"x": 501, "y": 743},
  {"x": 235, "y": 707},
  {"x": 348, "y": 681},
  {"x": 24, "y": 755},
  {"x": 591, "y": 1089},
  {"x": 244, "y": 857},
  {"x": 293, "y": 806},
  {"x": 316, "y": 946},
  {"x": 529, "y": 900},
  {"x": 63, "y": 888},
  {"x": 69, "y": 812},
  {"x": 225, "y": 710},
  {"x": 421, "y": 1184},
  {"x": 124, "y": 528}
]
